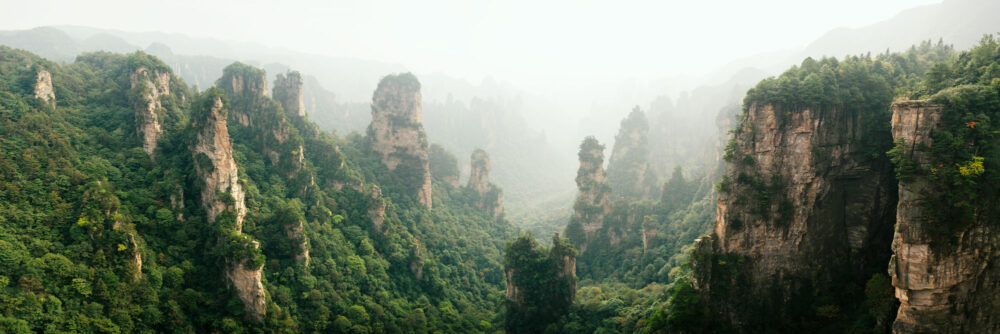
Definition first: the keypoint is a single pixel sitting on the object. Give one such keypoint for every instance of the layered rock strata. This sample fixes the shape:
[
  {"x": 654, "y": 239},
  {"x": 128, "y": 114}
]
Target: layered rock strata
[
  {"x": 397, "y": 134},
  {"x": 801, "y": 210},
  {"x": 488, "y": 197},
  {"x": 941, "y": 288},
  {"x": 213, "y": 156}
]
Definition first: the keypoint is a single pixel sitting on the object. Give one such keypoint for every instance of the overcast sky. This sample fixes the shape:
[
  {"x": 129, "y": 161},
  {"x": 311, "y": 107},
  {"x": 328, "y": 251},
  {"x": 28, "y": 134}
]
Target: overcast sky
[{"x": 513, "y": 40}]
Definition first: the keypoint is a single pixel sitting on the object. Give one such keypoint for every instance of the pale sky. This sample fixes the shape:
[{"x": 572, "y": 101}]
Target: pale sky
[{"x": 525, "y": 42}]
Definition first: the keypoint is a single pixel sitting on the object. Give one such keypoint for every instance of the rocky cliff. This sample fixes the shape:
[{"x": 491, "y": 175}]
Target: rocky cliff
[
  {"x": 288, "y": 92},
  {"x": 540, "y": 285},
  {"x": 444, "y": 166},
  {"x": 803, "y": 211},
  {"x": 592, "y": 199},
  {"x": 397, "y": 134},
  {"x": 945, "y": 279},
  {"x": 43, "y": 86},
  {"x": 629, "y": 173},
  {"x": 270, "y": 131},
  {"x": 148, "y": 87},
  {"x": 222, "y": 193},
  {"x": 488, "y": 197}
]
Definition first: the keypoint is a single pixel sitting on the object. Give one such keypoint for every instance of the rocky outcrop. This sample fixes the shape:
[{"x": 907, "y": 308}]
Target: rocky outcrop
[
  {"x": 941, "y": 288},
  {"x": 648, "y": 233},
  {"x": 246, "y": 87},
  {"x": 540, "y": 284},
  {"x": 296, "y": 233},
  {"x": 376, "y": 209},
  {"x": 629, "y": 173},
  {"x": 801, "y": 211},
  {"x": 397, "y": 134},
  {"x": 246, "y": 281},
  {"x": 487, "y": 196},
  {"x": 213, "y": 156},
  {"x": 288, "y": 92},
  {"x": 270, "y": 131},
  {"x": 43, "y": 86},
  {"x": 216, "y": 167},
  {"x": 416, "y": 261},
  {"x": 592, "y": 199},
  {"x": 444, "y": 166},
  {"x": 149, "y": 86}
]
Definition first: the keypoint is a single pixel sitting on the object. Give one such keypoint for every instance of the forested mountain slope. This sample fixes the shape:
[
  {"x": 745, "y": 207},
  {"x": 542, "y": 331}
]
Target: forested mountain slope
[{"x": 131, "y": 203}]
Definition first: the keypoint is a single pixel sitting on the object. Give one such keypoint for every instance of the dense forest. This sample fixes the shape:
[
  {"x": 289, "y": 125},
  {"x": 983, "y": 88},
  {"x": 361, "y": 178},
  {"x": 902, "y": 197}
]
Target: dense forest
[
  {"x": 99, "y": 236},
  {"x": 854, "y": 194}
]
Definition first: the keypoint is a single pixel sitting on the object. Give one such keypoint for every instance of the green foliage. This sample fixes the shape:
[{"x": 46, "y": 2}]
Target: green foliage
[
  {"x": 544, "y": 290},
  {"x": 443, "y": 164},
  {"x": 960, "y": 166},
  {"x": 80, "y": 199}
]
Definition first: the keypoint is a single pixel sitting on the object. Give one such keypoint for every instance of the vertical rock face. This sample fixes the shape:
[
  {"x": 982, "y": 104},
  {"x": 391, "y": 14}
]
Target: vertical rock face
[
  {"x": 288, "y": 92},
  {"x": 219, "y": 174},
  {"x": 43, "y": 86},
  {"x": 489, "y": 197},
  {"x": 541, "y": 285},
  {"x": 628, "y": 169},
  {"x": 296, "y": 232},
  {"x": 444, "y": 166},
  {"x": 941, "y": 289},
  {"x": 269, "y": 129},
  {"x": 376, "y": 208},
  {"x": 592, "y": 199},
  {"x": 213, "y": 156},
  {"x": 397, "y": 134},
  {"x": 151, "y": 85},
  {"x": 801, "y": 210},
  {"x": 246, "y": 88}
]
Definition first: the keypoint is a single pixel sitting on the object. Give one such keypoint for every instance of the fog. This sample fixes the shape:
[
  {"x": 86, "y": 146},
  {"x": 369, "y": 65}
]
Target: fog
[
  {"x": 525, "y": 80},
  {"x": 548, "y": 47}
]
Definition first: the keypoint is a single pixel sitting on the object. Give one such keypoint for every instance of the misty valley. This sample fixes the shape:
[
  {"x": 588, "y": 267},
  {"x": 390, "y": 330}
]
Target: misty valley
[{"x": 156, "y": 182}]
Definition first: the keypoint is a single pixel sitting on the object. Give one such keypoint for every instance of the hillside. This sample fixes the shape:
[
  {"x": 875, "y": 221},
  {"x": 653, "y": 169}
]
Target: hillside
[{"x": 133, "y": 203}]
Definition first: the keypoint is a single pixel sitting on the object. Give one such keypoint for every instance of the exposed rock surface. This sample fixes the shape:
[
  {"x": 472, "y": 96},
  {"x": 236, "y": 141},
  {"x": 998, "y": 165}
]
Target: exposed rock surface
[
  {"x": 944, "y": 289},
  {"x": 801, "y": 211},
  {"x": 151, "y": 85},
  {"x": 43, "y": 86},
  {"x": 629, "y": 173},
  {"x": 220, "y": 175},
  {"x": 270, "y": 132},
  {"x": 213, "y": 156},
  {"x": 592, "y": 199},
  {"x": 296, "y": 232},
  {"x": 397, "y": 134},
  {"x": 288, "y": 92},
  {"x": 376, "y": 208},
  {"x": 488, "y": 197}
]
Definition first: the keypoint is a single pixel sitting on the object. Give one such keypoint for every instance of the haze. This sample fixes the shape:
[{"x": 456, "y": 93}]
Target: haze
[{"x": 545, "y": 47}]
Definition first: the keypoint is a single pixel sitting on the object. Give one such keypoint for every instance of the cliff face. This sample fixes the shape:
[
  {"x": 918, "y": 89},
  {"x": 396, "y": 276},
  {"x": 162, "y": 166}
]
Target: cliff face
[
  {"x": 149, "y": 85},
  {"x": 397, "y": 134},
  {"x": 803, "y": 209},
  {"x": 540, "y": 285},
  {"x": 213, "y": 156},
  {"x": 444, "y": 166},
  {"x": 489, "y": 197},
  {"x": 592, "y": 199},
  {"x": 271, "y": 132},
  {"x": 245, "y": 86},
  {"x": 288, "y": 92},
  {"x": 629, "y": 173},
  {"x": 941, "y": 289},
  {"x": 43, "y": 86}
]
